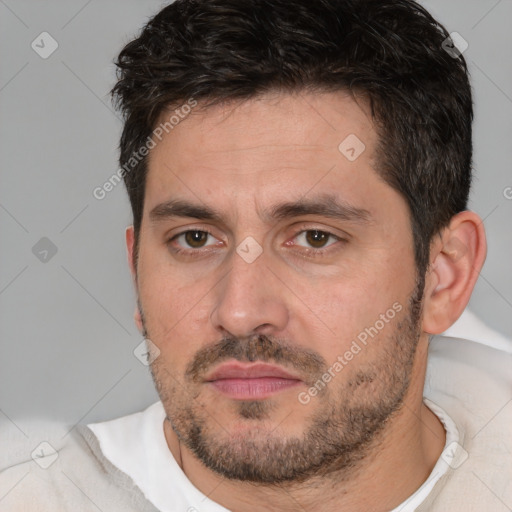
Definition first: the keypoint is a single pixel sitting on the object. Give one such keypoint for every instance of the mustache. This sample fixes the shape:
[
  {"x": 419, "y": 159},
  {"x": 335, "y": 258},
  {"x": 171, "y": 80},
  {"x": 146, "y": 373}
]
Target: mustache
[{"x": 260, "y": 348}]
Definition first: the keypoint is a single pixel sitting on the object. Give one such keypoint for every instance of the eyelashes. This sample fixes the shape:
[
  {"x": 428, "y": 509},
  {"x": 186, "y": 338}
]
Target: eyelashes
[{"x": 191, "y": 236}]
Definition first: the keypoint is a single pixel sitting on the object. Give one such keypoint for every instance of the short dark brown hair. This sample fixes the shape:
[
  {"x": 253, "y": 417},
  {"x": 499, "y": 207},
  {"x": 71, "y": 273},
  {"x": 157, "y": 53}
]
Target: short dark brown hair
[{"x": 390, "y": 51}]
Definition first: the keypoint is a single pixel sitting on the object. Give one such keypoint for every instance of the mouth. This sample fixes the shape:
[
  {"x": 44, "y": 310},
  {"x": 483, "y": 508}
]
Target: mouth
[{"x": 253, "y": 381}]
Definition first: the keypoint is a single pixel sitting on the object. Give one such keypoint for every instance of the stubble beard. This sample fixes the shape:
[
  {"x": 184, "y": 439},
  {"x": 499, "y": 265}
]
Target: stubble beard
[{"x": 346, "y": 426}]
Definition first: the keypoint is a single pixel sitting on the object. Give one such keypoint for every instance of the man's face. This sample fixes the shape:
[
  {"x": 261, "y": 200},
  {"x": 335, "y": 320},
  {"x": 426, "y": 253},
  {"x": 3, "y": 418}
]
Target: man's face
[{"x": 324, "y": 297}]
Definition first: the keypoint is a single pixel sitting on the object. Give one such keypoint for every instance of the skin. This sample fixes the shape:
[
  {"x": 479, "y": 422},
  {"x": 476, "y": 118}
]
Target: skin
[{"x": 239, "y": 160}]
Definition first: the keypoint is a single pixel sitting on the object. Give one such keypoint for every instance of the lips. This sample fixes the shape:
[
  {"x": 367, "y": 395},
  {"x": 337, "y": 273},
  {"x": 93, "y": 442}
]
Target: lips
[
  {"x": 249, "y": 371},
  {"x": 256, "y": 381}
]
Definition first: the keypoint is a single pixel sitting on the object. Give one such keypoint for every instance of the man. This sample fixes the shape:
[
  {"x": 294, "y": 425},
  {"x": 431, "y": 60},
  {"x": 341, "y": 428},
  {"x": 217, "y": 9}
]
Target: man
[{"x": 298, "y": 175}]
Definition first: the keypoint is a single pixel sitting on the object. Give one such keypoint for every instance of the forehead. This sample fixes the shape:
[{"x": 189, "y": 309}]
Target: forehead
[
  {"x": 280, "y": 120},
  {"x": 259, "y": 150}
]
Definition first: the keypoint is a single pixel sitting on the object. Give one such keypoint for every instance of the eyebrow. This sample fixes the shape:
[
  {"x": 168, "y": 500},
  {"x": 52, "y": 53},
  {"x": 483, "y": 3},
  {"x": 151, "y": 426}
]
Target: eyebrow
[
  {"x": 326, "y": 205},
  {"x": 180, "y": 208}
]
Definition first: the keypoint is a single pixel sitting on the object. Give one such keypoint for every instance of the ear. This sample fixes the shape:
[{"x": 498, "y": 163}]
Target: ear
[
  {"x": 130, "y": 244},
  {"x": 457, "y": 255}
]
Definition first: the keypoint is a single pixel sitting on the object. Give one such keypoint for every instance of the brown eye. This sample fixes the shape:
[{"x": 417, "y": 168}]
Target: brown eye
[
  {"x": 196, "y": 239},
  {"x": 317, "y": 239},
  {"x": 193, "y": 243}
]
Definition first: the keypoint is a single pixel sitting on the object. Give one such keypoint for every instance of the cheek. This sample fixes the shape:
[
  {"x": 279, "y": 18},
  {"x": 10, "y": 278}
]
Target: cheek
[
  {"x": 166, "y": 292},
  {"x": 343, "y": 308},
  {"x": 176, "y": 314},
  {"x": 164, "y": 304}
]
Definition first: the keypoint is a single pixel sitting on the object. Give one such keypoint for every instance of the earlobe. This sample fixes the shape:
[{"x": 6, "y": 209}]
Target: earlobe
[{"x": 457, "y": 256}]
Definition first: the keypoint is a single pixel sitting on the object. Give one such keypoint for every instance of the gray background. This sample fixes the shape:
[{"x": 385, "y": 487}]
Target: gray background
[{"x": 67, "y": 333}]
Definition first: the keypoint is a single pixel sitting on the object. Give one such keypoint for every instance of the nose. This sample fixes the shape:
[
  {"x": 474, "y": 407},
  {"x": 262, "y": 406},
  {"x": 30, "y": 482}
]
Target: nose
[{"x": 250, "y": 299}]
